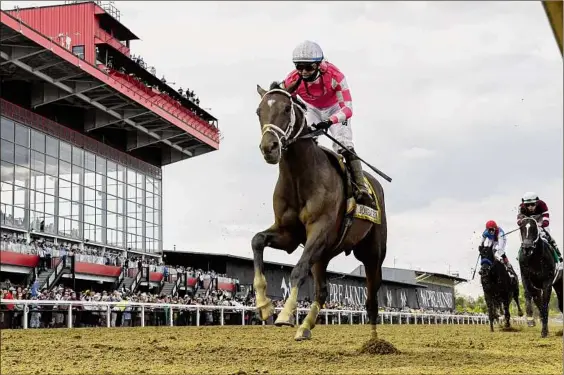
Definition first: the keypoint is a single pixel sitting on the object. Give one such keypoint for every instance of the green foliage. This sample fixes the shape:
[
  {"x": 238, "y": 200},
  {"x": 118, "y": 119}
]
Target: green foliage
[{"x": 478, "y": 305}]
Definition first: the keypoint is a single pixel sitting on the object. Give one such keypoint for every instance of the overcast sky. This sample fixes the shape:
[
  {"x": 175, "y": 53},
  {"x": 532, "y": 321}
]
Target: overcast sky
[{"x": 459, "y": 102}]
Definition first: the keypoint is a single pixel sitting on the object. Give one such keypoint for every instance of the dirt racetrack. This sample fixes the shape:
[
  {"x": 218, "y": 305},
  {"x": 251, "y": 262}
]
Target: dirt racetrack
[{"x": 425, "y": 349}]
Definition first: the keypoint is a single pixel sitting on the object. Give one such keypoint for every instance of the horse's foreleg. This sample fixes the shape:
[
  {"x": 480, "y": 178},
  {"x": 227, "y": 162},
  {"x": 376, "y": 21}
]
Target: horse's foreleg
[
  {"x": 528, "y": 302},
  {"x": 319, "y": 272},
  {"x": 506, "y": 313},
  {"x": 544, "y": 302},
  {"x": 315, "y": 244},
  {"x": 277, "y": 238}
]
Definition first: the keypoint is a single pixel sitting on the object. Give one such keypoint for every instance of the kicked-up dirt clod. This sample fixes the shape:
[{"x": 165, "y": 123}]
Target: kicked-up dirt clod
[{"x": 378, "y": 346}]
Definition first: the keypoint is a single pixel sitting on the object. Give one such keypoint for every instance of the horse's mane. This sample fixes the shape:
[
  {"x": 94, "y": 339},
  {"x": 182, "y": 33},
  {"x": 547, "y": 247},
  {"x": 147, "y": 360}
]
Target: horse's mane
[{"x": 291, "y": 89}]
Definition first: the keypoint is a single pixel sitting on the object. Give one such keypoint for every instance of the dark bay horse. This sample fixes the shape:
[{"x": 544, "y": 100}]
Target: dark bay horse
[
  {"x": 499, "y": 288},
  {"x": 537, "y": 272},
  {"x": 309, "y": 204}
]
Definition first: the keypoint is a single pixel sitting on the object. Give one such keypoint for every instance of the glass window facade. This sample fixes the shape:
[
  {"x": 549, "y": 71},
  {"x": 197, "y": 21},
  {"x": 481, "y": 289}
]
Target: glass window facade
[{"x": 54, "y": 187}]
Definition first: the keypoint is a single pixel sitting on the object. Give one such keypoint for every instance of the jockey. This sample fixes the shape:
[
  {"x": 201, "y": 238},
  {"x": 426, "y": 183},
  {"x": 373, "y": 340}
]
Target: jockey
[
  {"x": 326, "y": 93},
  {"x": 494, "y": 236},
  {"x": 531, "y": 205}
]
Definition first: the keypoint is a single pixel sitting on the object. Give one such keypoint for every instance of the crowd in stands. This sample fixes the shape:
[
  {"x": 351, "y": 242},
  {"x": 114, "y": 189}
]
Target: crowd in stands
[
  {"x": 188, "y": 94},
  {"x": 124, "y": 314}
]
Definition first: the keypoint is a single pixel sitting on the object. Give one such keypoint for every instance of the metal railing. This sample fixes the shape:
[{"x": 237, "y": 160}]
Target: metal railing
[
  {"x": 54, "y": 276},
  {"x": 177, "y": 283},
  {"x": 136, "y": 281},
  {"x": 386, "y": 317}
]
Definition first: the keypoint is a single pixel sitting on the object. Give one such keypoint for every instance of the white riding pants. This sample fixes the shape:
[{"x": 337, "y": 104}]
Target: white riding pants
[{"x": 342, "y": 132}]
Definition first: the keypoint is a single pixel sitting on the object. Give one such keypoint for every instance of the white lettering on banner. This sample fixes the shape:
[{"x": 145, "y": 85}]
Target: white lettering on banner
[
  {"x": 431, "y": 298},
  {"x": 347, "y": 294}
]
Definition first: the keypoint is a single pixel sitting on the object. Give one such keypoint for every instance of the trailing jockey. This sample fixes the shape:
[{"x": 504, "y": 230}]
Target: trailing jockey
[
  {"x": 531, "y": 205},
  {"x": 494, "y": 236},
  {"x": 326, "y": 93}
]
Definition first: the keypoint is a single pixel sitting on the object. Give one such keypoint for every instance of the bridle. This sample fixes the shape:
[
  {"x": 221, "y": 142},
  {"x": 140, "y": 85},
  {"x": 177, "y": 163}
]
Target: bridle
[
  {"x": 528, "y": 226},
  {"x": 285, "y": 137}
]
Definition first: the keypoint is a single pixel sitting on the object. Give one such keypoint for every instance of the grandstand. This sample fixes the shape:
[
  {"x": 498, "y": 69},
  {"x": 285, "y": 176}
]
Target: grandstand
[{"x": 85, "y": 129}]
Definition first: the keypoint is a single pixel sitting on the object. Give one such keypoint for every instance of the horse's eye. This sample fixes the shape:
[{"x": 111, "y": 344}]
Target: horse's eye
[{"x": 287, "y": 109}]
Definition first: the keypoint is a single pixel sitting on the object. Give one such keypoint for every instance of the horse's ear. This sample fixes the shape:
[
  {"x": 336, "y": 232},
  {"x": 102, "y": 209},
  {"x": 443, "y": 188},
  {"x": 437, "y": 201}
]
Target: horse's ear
[
  {"x": 275, "y": 85},
  {"x": 261, "y": 91}
]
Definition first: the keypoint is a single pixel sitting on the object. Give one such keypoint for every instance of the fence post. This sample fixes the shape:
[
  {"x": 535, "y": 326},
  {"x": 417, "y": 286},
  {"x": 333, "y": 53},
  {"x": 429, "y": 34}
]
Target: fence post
[
  {"x": 198, "y": 315},
  {"x": 243, "y": 317},
  {"x": 142, "y": 315},
  {"x": 25, "y": 315},
  {"x": 339, "y": 317},
  {"x": 108, "y": 315},
  {"x": 221, "y": 316},
  {"x": 69, "y": 316},
  {"x": 171, "y": 313}
]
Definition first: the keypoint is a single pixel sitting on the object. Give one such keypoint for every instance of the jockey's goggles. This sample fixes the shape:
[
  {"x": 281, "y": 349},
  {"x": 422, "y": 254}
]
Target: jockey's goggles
[{"x": 308, "y": 67}]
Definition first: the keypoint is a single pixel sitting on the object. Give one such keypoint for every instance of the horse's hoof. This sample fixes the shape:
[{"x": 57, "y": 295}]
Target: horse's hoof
[
  {"x": 544, "y": 334},
  {"x": 287, "y": 321},
  {"x": 303, "y": 334},
  {"x": 266, "y": 310}
]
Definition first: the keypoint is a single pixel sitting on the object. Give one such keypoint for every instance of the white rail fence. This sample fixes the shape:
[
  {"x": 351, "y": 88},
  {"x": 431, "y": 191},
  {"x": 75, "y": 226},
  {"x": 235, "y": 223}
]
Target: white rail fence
[{"x": 108, "y": 309}]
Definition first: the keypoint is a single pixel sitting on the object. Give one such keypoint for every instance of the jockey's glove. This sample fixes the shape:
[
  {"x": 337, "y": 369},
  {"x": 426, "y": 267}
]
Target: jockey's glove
[{"x": 323, "y": 125}]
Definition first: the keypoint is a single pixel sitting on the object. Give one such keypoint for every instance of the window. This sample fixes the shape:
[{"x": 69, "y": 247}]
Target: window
[
  {"x": 79, "y": 51},
  {"x": 7, "y": 129}
]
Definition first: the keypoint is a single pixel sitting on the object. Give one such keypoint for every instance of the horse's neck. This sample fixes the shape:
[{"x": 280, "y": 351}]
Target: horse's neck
[{"x": 300, "y": 160}]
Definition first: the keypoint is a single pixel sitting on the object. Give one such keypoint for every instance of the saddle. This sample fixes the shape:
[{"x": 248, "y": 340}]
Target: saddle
[{"x": 353, "y": 209}]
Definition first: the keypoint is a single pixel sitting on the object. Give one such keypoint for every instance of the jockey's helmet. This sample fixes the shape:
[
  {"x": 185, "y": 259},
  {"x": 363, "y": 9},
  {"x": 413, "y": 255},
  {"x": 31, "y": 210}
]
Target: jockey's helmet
[
  {"x": 530, "y": 198},
  {"x": 491, "y": 225},
  {"x": 307, "y": 52}
]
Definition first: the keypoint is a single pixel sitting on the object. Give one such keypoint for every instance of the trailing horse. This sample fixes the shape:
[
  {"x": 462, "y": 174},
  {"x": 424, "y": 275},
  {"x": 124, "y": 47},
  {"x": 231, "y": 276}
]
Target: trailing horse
[
  {"x": 537, "y": 272},
  {"x": 314, "y": 205},
  {"x": 499, "y": 287}
]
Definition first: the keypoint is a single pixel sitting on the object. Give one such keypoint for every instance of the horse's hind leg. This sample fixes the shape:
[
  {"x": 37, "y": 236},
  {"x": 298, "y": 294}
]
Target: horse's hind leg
[
  {"x": 516, "y": 299},
  {"x": 559, "y": 290},
  {"x": 277, "y": 238},
  {"x": 319, "y": 271},
  {"x": 371, "y": 254}
]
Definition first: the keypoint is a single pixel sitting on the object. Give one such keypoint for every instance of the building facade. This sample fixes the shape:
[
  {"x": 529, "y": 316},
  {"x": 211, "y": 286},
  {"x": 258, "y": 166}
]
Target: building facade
[{"x": 57, "y": 188}]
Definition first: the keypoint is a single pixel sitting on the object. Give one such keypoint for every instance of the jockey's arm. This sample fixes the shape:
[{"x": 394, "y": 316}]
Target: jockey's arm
[
  {"x": 343, "y": 92},
  {"x": 544, "y": 220}
]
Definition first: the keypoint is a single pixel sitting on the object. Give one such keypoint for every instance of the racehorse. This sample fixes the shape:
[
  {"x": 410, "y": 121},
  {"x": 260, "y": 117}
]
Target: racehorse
[
  {"x": 537, "y": 272},
  {"x": 499, "y": 287},
  {"x": 311, "y": 206}
]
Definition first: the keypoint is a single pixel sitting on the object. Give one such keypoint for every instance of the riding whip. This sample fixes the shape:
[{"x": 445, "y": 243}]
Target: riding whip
[
  {"x": 376, "y": 170},
  {"x": 477, "y": 260}
]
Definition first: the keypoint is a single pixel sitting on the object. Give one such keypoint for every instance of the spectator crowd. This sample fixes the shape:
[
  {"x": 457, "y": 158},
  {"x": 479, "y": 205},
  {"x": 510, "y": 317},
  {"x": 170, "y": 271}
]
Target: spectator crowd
[{"x": 122, "y": 313}]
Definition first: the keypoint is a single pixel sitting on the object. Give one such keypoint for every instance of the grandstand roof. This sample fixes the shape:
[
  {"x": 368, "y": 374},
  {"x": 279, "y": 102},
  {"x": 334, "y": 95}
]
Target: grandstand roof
[
  {"x": 388, "y": 277},
  {"x": 133, "y": 124}
]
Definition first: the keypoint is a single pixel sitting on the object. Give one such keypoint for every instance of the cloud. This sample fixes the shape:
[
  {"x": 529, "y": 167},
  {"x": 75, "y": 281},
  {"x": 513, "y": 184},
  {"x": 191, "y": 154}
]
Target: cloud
[{"x": 459, "y": 102}]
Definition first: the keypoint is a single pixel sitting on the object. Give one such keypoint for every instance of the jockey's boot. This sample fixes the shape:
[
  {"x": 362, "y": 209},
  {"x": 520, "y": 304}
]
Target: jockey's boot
[{"x": 363, "y": 195}]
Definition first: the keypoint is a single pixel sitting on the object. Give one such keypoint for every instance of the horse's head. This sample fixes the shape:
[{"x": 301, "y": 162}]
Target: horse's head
[
  {"x": 282, "y": 121},
  {"x": 530, "y": 234},
  {"x": 487, "y": 259}
]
